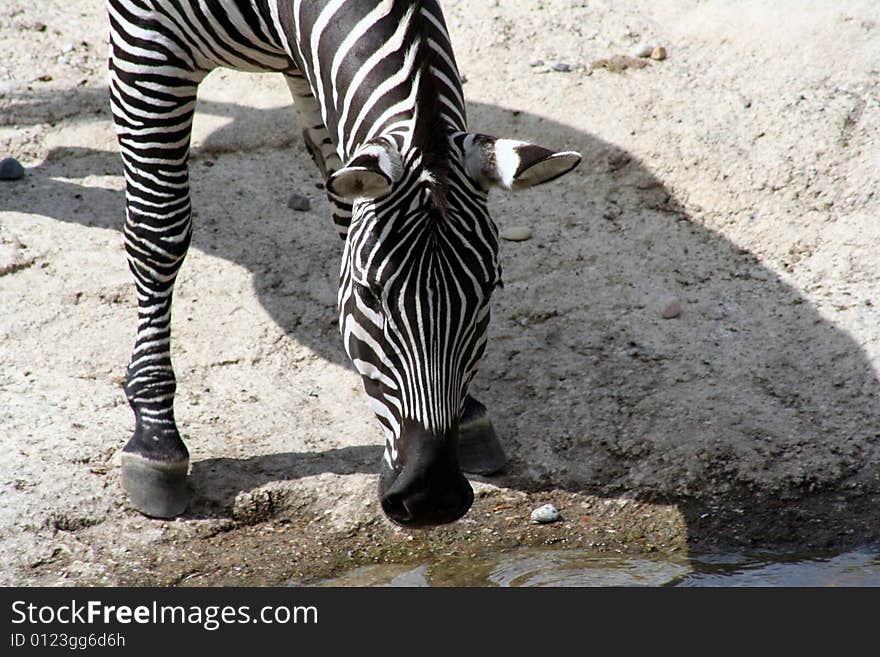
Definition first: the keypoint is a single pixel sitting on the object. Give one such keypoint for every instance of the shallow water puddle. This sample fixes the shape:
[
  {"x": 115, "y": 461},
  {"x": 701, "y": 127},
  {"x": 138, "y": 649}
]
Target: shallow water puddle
[
  {"x": 857, "y": 568},
  {"x": 556, "y": 567},
  {"x": 525, "y": 567}
]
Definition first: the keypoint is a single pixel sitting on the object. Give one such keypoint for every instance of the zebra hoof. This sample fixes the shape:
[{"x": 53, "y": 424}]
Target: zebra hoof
[
  {"x": 155, "y": 488},
  {"x": 479, "y": 451}
]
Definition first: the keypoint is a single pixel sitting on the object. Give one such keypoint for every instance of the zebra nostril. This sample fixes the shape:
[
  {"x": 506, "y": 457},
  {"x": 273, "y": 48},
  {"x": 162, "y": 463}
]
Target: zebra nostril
[{"x": 395, "y": 507}]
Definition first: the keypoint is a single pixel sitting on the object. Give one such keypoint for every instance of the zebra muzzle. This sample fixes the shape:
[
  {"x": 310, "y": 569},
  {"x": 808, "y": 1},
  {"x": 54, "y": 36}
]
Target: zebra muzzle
[{"x": 427, "y": 487}]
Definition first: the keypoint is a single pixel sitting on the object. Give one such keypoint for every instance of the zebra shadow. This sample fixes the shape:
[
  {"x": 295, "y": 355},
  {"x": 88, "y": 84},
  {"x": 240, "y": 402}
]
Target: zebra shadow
[{"x": 635, "y": 350}]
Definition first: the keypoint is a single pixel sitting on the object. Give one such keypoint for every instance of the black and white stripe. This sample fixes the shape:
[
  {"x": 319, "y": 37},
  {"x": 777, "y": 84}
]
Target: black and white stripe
[
  {"x": 413, "y": 298},
  {"x": 382, "y": 111}
]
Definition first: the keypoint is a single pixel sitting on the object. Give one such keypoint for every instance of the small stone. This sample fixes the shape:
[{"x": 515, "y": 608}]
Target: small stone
[
  {"x": 299, "y": 202},
  {"x": 536, "y": 62},
  {"x": 671, "y": 310},
  {"x": 10, "y": 169},
  {"x": 516, "y": 234},
  {"x": 544, "y": 514},
  {"x": 642, "y": 50},
  {"x": 659, "y": 53},
  {"x": 560, "y": 67}
]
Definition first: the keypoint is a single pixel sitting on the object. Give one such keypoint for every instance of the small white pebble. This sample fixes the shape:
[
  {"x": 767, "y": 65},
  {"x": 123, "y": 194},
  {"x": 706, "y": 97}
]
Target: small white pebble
[
  {"x": 516, "y": 233},
  {"x": 641, "y": 50},
  {"x": 545, "y": 514}
]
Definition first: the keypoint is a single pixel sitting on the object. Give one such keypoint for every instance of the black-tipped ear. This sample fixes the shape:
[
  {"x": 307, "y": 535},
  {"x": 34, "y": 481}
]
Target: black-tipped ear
[
  {"x": 369, "y": 173},
  {"x": 515, "y": 164}
]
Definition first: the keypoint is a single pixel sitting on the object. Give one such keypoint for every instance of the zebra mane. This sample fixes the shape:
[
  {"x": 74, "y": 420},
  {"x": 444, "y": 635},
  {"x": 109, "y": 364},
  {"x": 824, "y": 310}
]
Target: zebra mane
[{"x": 431, "y": 132}]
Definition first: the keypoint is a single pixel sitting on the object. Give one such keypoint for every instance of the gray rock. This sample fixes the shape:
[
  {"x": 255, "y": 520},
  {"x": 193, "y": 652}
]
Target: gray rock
[
  {"x": 544, "y": 514},
  {"x": 671, "y": 310},
  {"x": 299, "y": 202},
  {"x": 10, "y": 169},
  {"x": 516, "y": 234},
  {"x": 560, "y": 67}
]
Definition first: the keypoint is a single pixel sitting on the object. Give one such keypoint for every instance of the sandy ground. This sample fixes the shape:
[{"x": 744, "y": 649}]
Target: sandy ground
[{"x": 739, "y": 177}]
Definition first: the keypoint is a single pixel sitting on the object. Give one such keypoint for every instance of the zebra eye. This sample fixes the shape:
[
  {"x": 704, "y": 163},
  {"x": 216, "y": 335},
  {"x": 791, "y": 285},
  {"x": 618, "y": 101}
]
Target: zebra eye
[{"x": 369, "y": 295}]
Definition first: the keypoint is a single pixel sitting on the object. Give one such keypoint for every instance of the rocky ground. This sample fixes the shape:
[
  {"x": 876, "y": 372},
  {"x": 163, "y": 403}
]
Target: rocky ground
[{"x": 684, "y": 357}]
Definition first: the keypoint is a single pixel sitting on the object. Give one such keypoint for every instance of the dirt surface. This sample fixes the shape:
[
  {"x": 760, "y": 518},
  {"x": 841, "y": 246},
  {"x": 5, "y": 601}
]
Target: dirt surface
[{"x": 737, "y": 178}]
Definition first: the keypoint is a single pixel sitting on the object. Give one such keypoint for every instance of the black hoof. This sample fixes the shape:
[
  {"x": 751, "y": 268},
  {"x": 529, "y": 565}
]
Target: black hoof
[
  {"x": 479, "y": 451},
  {"x": 155, "y": 488}
]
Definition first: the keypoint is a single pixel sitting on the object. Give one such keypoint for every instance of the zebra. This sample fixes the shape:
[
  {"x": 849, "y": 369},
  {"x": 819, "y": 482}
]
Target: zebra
[{"x": 379, "y": 101}]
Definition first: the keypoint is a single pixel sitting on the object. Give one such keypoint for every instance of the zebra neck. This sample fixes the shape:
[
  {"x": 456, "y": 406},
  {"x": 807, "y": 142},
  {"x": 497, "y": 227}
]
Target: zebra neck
[{"x": 375, "y": 68}]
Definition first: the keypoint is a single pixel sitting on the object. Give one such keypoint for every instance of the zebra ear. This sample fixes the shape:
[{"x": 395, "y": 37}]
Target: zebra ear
[
  {"x": 369, "y": 173},
  {"x": 515, "y": 164}
]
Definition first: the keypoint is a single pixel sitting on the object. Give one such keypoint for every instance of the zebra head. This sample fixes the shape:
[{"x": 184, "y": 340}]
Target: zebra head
[{"x": 419, "y": 267}]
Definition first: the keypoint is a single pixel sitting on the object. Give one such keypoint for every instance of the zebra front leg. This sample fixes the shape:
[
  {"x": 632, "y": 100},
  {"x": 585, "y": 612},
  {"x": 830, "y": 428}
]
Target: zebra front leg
[
  {"x": 155, "y": 461},
  {"x": 153, "y": 112},
  {"x": 479, "y": 451}
]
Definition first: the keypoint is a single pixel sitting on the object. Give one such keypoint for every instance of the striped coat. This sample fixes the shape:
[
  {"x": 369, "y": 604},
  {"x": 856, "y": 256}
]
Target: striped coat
[{"x": 382, "y": 112}]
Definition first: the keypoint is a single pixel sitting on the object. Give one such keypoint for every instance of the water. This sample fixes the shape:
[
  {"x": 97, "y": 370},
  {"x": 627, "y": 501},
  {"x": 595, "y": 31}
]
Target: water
[
  {"x": 857, "y": 568},
  {"x": 556, "y": 567}
]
